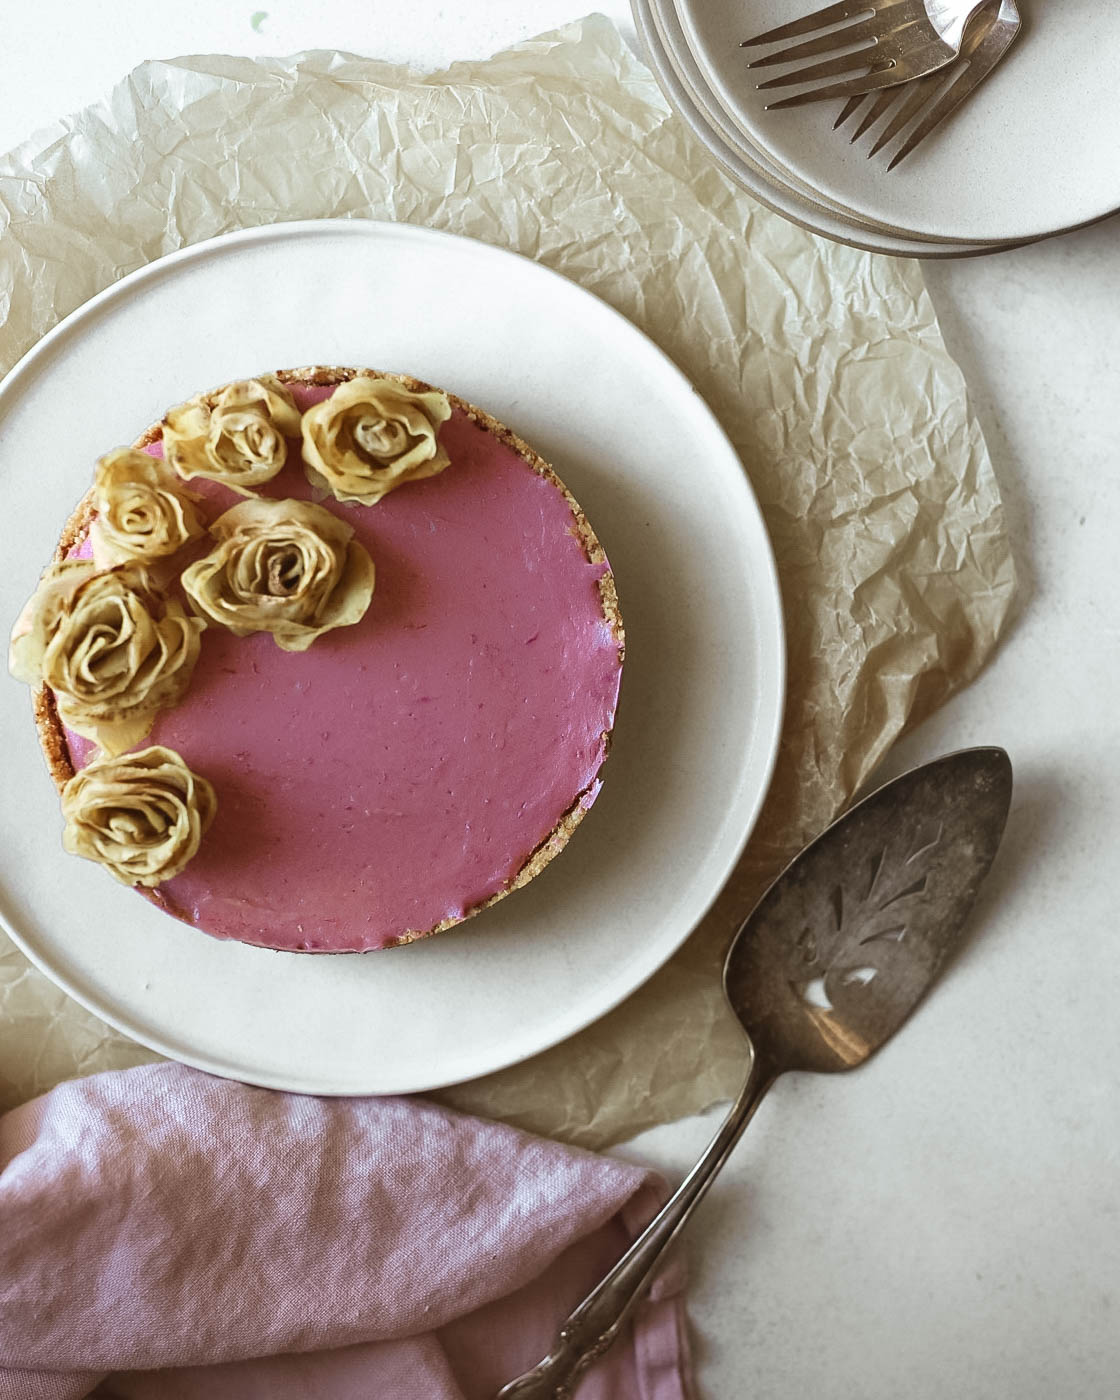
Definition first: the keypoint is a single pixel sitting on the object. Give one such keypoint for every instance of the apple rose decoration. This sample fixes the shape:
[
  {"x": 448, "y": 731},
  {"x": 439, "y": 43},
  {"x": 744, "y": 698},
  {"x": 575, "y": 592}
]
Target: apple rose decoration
[
  {"x": 241, "y": 441},
  {"x": 285, "y": 567},
  {"x": 113, "y": 649},
  {"x": 142, "y": 511},
  {"x": 373, "y": 435},
  {"x": 140, "y": 815}
]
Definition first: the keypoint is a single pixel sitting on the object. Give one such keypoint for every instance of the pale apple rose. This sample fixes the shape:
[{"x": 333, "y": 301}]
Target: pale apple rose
[
  {"x": 113, "y": 649},
  {"x": 373, "y": 435},
  {"x": 140, "y": 815},
  {"x": 285, "y": 567},
  {"x": 241, "y": 441},
  {"x": 142, "y": 511}
]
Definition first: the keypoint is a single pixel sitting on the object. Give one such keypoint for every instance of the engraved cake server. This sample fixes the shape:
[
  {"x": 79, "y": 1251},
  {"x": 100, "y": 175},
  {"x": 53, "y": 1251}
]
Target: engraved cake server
[{"x": 830, "y": 963}]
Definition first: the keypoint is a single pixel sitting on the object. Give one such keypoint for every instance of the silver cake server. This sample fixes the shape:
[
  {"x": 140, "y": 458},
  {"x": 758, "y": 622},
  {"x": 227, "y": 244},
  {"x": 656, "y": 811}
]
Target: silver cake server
[{"x": 830, "y": 963}]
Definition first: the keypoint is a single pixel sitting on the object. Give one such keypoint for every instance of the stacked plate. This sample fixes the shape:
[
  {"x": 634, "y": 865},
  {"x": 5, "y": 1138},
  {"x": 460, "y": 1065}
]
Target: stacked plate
[{"x": 1031, "y": 153}]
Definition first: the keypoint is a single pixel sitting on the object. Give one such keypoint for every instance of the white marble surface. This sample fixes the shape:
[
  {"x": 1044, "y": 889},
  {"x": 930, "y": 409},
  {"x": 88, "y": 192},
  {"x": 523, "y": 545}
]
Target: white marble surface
[{"x": 945, "y": 1223}]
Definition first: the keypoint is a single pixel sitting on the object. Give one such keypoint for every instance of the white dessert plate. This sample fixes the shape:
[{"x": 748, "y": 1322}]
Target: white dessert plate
[
  {"x": 680, "y": 81},
  {"x": 703, "y": 686},
  {"x": 667, "y": 24},
  {"x": 1032, "y": 154}
]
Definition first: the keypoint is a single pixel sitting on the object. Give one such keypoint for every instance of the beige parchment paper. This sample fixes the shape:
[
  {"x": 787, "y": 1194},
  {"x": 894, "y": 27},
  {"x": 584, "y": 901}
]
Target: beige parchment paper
[{"x": 825, "y": 365}]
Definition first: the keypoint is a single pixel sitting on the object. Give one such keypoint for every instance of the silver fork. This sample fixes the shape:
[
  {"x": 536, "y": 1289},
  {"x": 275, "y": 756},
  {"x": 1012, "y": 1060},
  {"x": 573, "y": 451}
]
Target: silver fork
[
  {"x": 929, "y": 101},
  {"x": 899, "y": 40}
]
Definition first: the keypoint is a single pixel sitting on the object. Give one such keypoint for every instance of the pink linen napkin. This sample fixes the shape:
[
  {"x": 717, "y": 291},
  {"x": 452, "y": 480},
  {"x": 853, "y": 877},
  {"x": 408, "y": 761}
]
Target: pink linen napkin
[{"x": 167, "y": 1234}]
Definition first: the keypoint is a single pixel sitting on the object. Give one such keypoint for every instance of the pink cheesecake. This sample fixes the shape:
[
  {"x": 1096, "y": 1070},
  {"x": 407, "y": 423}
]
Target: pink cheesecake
[{"x": 406, "y": 771}]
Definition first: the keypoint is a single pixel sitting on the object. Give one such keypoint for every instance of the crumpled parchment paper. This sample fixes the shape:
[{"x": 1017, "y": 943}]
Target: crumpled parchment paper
[{"x": 825, "y": 365}]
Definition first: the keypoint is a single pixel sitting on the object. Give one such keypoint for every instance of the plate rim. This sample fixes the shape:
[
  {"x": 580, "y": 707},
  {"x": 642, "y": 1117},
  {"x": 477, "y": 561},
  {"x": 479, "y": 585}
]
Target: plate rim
[{"x": 773, "y": 695}]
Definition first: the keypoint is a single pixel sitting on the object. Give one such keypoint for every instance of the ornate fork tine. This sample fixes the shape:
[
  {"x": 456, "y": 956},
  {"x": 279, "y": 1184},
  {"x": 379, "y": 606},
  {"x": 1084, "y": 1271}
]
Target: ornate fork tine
[
  {"x": 847, "y": 63},
  {"x": 850, "y": 108},
  {"x": 875, "y": 109},
  {"x": 914, "y": 100},
  {"x": 866, "y": 32},
  {"x": 832, "y": 14},
  {"x": 877, "y": 76}
]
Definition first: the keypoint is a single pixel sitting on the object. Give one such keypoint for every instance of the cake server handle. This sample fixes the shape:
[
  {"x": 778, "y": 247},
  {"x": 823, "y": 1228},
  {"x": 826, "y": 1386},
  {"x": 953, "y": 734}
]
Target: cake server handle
[{"x": 597, "y": 1321}]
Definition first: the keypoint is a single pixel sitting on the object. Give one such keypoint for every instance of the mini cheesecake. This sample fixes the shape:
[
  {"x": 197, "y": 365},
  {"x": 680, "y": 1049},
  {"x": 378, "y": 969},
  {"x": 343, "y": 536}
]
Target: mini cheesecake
[{"x": 407, "y": 771}]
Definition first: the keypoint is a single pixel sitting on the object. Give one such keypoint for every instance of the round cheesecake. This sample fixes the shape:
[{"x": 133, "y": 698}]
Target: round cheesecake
[{"x": 407, "y": 771}]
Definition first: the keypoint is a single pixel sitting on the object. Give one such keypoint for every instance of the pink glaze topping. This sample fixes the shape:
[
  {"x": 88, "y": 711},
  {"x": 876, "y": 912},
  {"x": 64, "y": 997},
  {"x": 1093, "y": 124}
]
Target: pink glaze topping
[{"x": 402, "y": 770}]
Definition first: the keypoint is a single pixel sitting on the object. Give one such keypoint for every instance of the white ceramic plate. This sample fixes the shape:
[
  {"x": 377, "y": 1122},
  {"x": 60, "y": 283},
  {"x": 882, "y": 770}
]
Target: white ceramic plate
[
  {"x": 664, "y": 15},
  {"x": 703, "y": 686},
  {"x": 1033, "y": 152},
  {"x": 684, "y": 89}
]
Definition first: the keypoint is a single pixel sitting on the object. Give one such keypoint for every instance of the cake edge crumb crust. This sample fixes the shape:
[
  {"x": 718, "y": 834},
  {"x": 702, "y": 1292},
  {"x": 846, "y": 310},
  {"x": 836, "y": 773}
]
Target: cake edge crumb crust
[{"x": 52, "y": 734}]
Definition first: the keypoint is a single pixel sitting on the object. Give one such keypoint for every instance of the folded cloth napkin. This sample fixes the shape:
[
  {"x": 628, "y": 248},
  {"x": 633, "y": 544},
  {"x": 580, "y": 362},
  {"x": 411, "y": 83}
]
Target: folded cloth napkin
[{"x": 167, "y": 1234}]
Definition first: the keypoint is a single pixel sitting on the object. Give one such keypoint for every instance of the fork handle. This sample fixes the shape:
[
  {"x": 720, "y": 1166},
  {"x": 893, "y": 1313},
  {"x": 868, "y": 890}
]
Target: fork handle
[{"x": 597, "y": 1321}]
